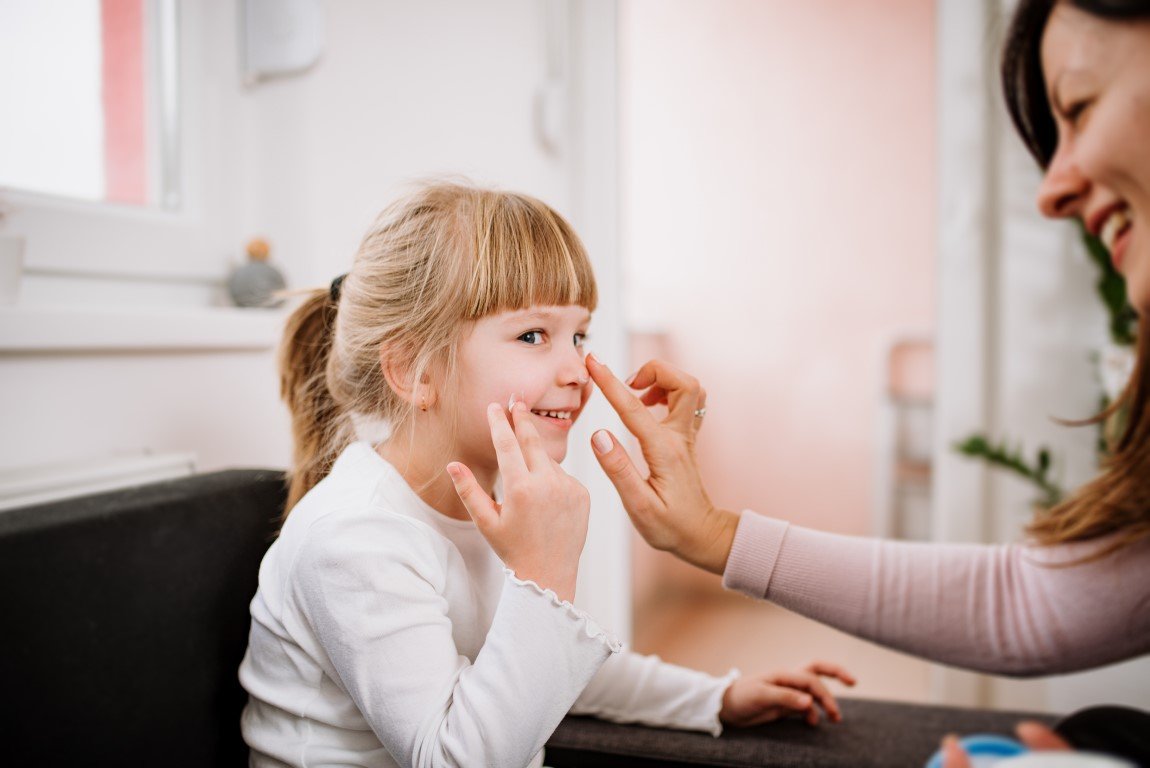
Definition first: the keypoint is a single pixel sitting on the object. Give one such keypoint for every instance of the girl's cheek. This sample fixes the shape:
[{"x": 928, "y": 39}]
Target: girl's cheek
[{"x": 585, "y": 395}]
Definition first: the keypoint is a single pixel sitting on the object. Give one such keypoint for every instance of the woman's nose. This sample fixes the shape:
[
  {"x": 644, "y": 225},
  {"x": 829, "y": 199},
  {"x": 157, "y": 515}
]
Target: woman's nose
[{"x": 1064, "y": 187}]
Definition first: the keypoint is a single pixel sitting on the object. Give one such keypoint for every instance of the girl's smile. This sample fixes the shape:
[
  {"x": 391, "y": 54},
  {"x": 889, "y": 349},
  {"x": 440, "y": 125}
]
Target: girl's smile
[{"x": 556, "y": 418}]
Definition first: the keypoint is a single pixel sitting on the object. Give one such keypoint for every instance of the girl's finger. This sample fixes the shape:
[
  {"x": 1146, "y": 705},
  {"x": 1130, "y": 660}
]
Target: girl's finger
[
  {"x": 811, "y": 684},
  {"x": 529, "y": 443},
  {"x": 796, "y": 701},
  {"x": 507, "y": 451},
  {"x": 769, "y": 696},
  {"x": 827, "y": 669},
  {"x": 769, "y": 716},
  {"x": 479, "y": 505}
]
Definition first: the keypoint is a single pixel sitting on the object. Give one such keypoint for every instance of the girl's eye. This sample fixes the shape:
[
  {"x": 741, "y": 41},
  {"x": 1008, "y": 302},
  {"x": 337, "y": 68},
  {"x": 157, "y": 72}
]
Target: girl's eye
[
  {"x": 532, "y": 337},
  {"x": 580, "y": 339}
]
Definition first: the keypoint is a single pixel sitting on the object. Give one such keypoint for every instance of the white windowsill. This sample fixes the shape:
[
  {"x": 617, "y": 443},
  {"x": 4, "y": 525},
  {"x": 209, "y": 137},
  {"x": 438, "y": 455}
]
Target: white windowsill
[{"x": 87, "y": 329}]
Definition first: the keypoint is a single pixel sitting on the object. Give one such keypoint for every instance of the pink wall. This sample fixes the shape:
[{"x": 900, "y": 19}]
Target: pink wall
[{"x": 779, "y": 226}]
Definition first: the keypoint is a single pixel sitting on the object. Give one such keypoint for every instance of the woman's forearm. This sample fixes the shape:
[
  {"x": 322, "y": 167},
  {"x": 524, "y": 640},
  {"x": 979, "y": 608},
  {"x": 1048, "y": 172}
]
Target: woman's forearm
[{"x": 1008, "y": 609}]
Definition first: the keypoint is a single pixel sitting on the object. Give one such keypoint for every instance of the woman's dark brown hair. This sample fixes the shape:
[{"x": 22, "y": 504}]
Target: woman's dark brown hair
[{"x": 1117, "y": 501}]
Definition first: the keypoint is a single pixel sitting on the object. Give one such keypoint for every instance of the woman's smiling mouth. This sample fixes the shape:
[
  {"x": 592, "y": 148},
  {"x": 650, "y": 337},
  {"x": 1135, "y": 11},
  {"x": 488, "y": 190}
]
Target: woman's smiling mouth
[{"x": 1114, "y": 234}]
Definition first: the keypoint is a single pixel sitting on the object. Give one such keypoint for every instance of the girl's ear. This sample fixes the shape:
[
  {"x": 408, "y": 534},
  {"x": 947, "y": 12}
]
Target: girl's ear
[{"x": 400, "y": 378}]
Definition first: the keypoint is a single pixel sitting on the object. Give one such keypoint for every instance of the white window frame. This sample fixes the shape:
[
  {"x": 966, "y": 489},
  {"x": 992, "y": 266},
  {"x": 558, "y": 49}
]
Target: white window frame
[{"x": 187, "y": 250}]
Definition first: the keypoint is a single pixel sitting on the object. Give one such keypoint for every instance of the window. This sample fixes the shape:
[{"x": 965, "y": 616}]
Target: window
[{"x": 89, "y": 90}]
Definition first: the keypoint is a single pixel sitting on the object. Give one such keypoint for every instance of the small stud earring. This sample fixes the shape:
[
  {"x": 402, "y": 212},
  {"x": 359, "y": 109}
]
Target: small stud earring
[{"x": 423, "y": 404}]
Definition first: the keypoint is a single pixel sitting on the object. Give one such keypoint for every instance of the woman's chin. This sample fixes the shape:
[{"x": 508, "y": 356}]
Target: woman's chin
[{"x": 1138, "y": 287}]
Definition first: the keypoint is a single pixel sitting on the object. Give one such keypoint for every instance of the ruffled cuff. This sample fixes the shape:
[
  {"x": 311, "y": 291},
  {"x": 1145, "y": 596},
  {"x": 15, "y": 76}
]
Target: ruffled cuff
[
  {"x": 588, "y": 625},
  {"x": 715, "y": 700}
]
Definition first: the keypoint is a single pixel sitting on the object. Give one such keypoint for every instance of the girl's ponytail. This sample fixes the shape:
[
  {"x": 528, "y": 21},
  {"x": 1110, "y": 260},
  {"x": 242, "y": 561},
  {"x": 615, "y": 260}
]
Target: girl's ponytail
[{"x": 315, "y": 415}]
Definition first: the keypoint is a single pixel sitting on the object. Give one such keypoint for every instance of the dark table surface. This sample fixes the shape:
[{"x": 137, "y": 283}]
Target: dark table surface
[{"x": 872, "y": 733}]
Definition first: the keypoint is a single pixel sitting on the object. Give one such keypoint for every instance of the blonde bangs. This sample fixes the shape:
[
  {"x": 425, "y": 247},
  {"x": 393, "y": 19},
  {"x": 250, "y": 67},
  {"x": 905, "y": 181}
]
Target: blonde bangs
[{"x": 526, "y": 255}]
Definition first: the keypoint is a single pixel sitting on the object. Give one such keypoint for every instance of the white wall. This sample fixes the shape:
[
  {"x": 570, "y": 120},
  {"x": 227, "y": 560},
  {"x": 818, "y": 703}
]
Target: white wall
[{"x": 403, "y": 91}]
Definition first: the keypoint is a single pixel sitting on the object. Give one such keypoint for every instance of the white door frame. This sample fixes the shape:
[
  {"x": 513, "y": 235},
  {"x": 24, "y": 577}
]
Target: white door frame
[{"x": 967, "y": 251}]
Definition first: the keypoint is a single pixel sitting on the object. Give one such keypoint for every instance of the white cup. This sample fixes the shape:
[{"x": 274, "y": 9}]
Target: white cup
[{"x": 11, "y": 267}]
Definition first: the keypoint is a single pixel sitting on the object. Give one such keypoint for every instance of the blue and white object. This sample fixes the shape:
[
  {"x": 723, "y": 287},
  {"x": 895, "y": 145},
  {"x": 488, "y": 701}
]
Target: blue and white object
[{"x": 985, "y": 750}]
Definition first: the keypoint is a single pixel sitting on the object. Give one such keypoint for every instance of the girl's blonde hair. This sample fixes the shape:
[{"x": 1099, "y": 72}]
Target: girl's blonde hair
[{"x": 433, "y": 261}]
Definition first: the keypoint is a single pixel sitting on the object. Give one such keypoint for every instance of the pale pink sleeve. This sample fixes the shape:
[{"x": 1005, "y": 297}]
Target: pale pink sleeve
[{"x": 1007, "y": 609}]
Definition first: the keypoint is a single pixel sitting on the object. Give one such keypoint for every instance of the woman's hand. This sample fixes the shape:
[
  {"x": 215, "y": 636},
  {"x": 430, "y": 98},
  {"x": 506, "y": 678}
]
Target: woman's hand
[
  {"x": 1036, "y": 736},
  {"x": 762, "y": 698},
  {"x": 540, "y": 528},
  {"x": 670, "y": 508}
]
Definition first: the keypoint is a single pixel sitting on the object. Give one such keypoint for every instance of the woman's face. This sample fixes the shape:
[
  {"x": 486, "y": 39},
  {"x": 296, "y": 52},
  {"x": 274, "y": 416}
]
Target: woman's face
[{"x": 1098, "y": 84}]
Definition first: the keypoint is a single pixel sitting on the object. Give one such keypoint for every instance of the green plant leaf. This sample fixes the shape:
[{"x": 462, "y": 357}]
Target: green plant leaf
[{"x": 978, "y": 446}]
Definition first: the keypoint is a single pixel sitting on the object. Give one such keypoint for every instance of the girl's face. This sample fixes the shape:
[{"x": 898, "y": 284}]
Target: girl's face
[
  {"x": 535, "y": 354},
  {"x": 1098, "y": 84}
]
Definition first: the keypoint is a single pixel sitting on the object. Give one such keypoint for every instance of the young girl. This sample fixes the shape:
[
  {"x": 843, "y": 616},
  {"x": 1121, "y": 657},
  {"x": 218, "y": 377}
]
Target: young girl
[{"x": 389, "y": 628}]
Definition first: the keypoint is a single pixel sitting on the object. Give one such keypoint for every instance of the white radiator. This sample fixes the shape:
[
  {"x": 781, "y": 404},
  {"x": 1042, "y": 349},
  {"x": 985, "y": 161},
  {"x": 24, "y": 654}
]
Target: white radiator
[{"x": 23, "y": 486}]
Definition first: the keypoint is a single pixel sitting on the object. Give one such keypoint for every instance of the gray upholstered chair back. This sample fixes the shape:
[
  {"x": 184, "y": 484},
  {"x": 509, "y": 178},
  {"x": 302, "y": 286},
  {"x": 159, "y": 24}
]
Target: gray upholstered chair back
[{"x": 124, "y": 620}]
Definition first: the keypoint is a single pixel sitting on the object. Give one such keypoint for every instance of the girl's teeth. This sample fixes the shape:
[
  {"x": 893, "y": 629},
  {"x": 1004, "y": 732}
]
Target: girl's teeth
[
  {"x": 554, "y": 414},
  {"x": 1115, "y": 223}
]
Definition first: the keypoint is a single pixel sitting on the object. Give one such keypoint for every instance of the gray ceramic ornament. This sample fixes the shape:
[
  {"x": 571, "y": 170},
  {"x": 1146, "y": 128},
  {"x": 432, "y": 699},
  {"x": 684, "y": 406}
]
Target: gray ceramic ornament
[{"x": 255, "y": 283}]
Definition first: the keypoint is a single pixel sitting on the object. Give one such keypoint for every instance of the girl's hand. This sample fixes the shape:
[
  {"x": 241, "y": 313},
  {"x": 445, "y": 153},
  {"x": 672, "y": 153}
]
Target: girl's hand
[
  {"x": 670, "y": 508},
  {"x": 540, "y": 528},
  {"x": 763, "y": 698}
]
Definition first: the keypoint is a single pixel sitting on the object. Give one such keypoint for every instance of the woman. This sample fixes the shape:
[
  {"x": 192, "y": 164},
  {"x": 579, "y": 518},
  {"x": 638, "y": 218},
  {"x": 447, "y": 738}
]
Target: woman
[{"x": 1077, "y": 80}]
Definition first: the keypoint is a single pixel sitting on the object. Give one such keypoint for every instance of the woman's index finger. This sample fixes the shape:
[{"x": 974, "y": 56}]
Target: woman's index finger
[{"x": 634, "y": 414}]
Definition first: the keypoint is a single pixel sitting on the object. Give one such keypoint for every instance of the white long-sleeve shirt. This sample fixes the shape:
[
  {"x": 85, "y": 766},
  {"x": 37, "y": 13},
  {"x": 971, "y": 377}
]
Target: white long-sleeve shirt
[{"x": 387, "y": 634}]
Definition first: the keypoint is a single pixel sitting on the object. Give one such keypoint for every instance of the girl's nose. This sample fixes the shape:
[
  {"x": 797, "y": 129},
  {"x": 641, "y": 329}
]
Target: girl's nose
[
  {"x": 573, "y": 371},
  {"x": 1064, "y": 187}
]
